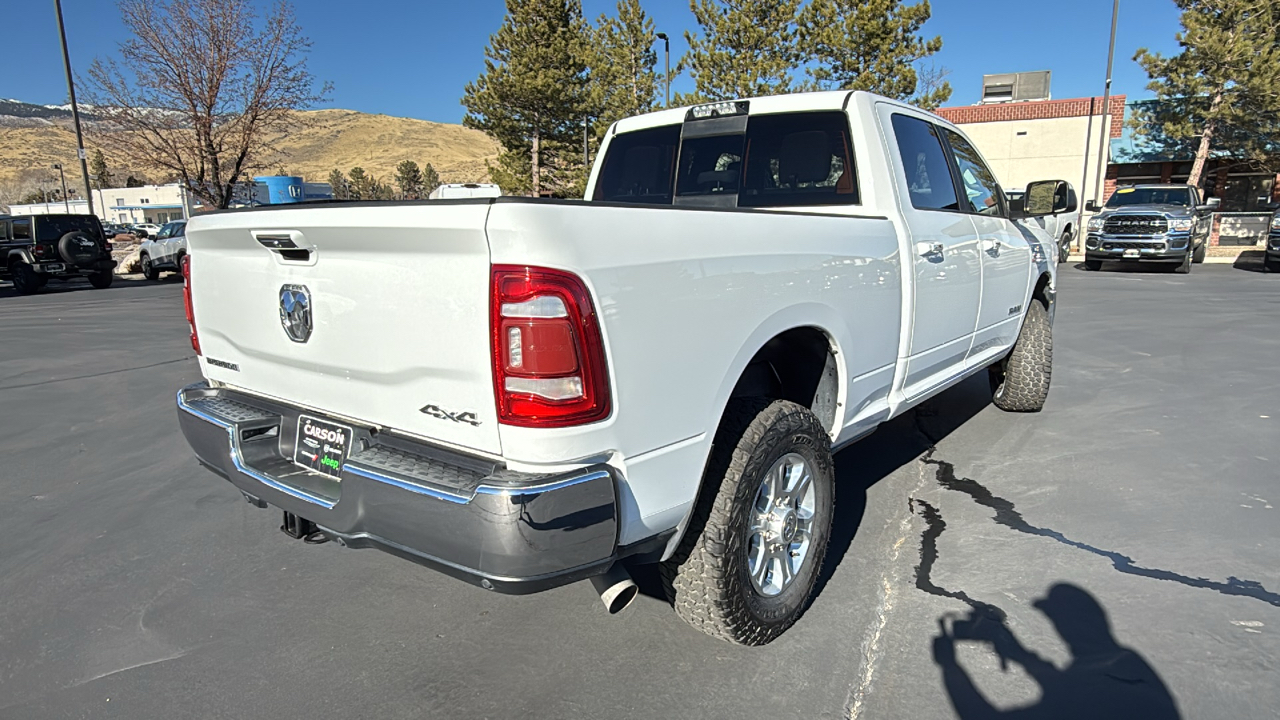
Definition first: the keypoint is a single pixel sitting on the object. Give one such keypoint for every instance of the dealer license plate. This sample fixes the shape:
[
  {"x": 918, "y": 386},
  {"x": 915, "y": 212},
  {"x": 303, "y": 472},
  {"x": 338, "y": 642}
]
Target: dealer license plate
[
  {"x": 1131, "y": 253},
  {"x": 321, "y": 446}
]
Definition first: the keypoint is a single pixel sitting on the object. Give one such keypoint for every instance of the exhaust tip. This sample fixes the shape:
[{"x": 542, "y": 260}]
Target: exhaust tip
[{"x": 616, "y": 588}]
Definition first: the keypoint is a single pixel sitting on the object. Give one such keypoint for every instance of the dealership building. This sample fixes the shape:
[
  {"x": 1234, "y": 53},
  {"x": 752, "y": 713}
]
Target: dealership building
[{"x": 161, "y": 203}]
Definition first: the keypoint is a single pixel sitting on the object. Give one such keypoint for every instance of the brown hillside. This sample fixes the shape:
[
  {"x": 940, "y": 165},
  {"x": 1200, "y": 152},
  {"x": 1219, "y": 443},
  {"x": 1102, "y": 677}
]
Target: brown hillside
[{"x": 330, "y": 139}]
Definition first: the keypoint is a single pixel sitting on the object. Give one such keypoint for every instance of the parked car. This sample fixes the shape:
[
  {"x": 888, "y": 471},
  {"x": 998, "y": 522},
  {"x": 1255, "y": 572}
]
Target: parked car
[
  {"x": 455, "y": 191},
  {"x": 524, "y": 392},
  {"x": 40, "y": 248},
  {"x": 1062, "y": 227},
  {"x": 165, "y": 251},
  {"x": 1151, "y": 223},
  {"x": 1271, "y": 259},
  {"x": 145, "y": 230}
]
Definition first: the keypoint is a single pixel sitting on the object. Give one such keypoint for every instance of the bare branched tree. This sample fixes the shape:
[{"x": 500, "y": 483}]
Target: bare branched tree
[{"x": 202, "y": 88}]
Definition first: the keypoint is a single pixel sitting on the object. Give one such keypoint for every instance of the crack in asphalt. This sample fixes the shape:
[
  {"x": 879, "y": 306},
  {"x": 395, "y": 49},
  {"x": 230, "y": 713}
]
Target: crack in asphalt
[
  {"x": 1006, "y": 514},
  {"x": 97, "y": 374},
  {"x": 934, "y": 525}
]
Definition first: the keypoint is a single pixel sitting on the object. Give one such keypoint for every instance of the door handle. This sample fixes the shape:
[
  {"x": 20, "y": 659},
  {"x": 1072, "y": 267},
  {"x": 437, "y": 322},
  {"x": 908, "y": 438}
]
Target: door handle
[
  {"x": 926, "y": 249},
  {"x": 991, "y": 245}
]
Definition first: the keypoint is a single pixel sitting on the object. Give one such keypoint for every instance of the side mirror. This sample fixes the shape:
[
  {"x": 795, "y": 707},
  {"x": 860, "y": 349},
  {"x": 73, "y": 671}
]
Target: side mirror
[
  {"x": 1091, "y": 206},
  {"x": 1046, "y": 197},
  {"x": 1210, "y": 205}
]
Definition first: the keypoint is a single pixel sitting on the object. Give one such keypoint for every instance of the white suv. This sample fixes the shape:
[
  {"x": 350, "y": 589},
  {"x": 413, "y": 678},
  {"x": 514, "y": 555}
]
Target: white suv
[{"x": 164, "y": 251}]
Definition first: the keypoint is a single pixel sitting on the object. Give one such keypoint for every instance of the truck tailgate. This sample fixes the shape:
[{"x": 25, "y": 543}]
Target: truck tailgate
[{"x": 399, "y": 300}]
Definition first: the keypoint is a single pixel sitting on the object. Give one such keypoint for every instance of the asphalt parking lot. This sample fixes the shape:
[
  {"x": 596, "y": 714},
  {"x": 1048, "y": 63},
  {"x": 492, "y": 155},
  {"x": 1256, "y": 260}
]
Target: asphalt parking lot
[{"x": 1116, "y": 555}]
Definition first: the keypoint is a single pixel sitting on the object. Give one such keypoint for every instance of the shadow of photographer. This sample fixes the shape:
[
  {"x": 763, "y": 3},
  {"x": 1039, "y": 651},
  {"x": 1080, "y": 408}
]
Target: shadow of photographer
[{"x": 1103, "y": 679}]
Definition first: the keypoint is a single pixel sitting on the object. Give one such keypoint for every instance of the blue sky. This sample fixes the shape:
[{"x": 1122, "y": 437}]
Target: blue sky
[{"x": 412, "y": 59}]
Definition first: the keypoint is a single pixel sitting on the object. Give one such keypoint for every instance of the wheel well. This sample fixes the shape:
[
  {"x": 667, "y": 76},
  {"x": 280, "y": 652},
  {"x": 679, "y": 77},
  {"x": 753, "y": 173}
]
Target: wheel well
[
  {"x": 797, "y": 365},
  {"x": 1041, "y": 293}
]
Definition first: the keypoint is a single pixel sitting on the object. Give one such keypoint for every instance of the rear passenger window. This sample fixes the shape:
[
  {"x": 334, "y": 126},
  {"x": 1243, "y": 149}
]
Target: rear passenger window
[
  {"x": 928, "y": 175},
  {"x": 639, "y": 167},
  {"x": 22, "y": 229},
  {"x": 798, "y": 159}
]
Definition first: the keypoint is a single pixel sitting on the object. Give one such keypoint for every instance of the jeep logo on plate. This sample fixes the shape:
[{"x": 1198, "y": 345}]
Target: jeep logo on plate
[{"x": 295, "y": 312}]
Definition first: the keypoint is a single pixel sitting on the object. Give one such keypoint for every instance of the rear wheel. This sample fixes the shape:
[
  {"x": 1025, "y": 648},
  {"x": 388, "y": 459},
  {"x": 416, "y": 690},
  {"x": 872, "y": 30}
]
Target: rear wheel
[
  {"x": 1094, "y": 265},
  {"x": 1020, "y": 382},
  {"x": 25, "y": 279},
  {"x": 747, "y": 564},
  {"x": 149, "y": 271},
  {"x": 102, "y": 280}
]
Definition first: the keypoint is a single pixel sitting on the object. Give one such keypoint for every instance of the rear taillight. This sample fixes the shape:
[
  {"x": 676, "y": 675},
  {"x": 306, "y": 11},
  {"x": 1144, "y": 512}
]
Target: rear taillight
[
  {"x": 548, "y": 354},
  {"x": 186, "y": 302},
  {"x": 38, "y": 251}
]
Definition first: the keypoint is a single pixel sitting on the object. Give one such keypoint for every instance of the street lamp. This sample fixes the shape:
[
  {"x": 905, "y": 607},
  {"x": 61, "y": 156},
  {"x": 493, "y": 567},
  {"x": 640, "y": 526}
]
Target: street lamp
[
  {"x": 75, "y": 109},
  {"x": 63, "y": 176},
  {"x": 666, "y": 76}
]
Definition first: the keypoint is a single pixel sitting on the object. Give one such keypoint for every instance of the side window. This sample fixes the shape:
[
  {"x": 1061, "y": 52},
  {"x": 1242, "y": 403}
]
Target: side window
[
  {"x": 798, "y": 159},
  {"x": 4, "y": 229},
  {"x": 640, "y": 167},
  {"x": 22, "y": 229},
  {"x": 980, "y": 186},
  {"x": 179, "y": 229},
  {"x": 710, "y": 166},
  {"x": 928, "y": 173}
]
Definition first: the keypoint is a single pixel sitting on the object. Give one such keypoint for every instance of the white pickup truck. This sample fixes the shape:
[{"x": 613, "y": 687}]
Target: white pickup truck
[{"x": 524, "y": 393}]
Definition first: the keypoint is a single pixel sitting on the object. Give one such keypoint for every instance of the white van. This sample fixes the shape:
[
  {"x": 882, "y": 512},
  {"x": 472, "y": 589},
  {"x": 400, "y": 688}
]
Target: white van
[{"x": 454, "y": 191}]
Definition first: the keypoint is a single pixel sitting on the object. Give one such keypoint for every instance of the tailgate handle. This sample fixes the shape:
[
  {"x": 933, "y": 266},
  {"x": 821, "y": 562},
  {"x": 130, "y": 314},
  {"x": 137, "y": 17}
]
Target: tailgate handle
[{"x": 288, "y": 245}]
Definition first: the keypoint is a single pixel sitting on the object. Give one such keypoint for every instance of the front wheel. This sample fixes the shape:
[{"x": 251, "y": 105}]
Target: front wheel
[
  {"x": 1020, "y": 382},
  {"x": 747, "y": 564},
  {"x": 102, "y": 280},
  {"x": 1185, "y": 266},
  {"x": 1093, "y": 265},
  {"x": 1200, "y": 252},
  {"x": 149, "y": 271}
]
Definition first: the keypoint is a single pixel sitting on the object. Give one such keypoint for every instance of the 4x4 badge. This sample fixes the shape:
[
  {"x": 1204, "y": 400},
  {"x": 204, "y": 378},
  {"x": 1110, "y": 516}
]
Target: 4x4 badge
[{"x": 295, "y": 312}]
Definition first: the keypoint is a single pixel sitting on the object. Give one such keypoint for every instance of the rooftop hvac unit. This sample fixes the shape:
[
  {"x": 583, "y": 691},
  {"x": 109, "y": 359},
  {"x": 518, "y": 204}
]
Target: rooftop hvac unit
[{"x": 1015, "y": 87}]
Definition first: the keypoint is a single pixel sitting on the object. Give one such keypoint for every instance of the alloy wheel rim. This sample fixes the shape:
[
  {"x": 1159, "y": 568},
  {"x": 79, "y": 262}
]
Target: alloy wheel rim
[{"x": 780, "y": 532}]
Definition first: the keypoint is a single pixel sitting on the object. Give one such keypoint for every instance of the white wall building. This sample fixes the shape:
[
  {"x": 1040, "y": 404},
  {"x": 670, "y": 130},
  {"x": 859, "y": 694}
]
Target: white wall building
[{"x": 152, "y": 203}]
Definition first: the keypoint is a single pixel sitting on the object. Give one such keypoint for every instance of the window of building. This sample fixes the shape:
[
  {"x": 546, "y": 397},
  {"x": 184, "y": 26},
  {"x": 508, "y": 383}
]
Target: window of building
[
  {"x": 928, "y": 173},
  {"x": 144, "y": 201},
  {"x": 798, "y": 159},
  {"x": 120, "y": 202},
  {"x": 980, "y": 186}
]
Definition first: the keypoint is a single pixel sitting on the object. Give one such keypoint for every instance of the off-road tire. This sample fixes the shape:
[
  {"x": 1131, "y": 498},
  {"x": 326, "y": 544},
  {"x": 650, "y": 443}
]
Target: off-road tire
[
  {"x": 1183, "y": 267},
  {"x": 1198, "y": 256},
  {"x": 1093, "y": 265},
  {"x": 102, "y": 280},
  {"x": 1020, "y": 382},
  {"x": 25, "y": 279},
  {"x": 149, "y": 270},
  {"x": 706, "y": 579}
]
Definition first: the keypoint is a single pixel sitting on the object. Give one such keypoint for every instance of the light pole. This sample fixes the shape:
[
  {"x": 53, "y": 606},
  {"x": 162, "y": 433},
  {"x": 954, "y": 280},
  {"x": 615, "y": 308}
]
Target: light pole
[
  {"x": 63, "y": 176},
  {"x": 75, "y": 109},
  {"x": 1105, "y": 140},
  {"x": 666, "y": 75}
]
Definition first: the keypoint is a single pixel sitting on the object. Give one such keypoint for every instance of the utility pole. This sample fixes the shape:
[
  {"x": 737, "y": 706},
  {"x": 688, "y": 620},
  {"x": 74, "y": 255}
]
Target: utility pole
[
  {"x": 1105, "y": 140},
  {"x": 666, "y": 75},
  {"x": 61, "y": 175},
  {"x": 75, "y": 109}
]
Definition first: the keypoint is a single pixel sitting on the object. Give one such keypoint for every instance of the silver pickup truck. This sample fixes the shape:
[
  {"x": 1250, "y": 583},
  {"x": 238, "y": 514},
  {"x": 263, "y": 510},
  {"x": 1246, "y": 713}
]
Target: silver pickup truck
[{"x": 1150, "y": 223}]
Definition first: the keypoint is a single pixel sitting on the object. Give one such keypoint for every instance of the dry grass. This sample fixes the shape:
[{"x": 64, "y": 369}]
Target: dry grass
[{"x": 326, "y": 139}]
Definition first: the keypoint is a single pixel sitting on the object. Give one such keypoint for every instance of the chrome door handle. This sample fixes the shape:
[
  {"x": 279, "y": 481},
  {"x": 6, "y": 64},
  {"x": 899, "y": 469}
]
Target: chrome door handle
[
  {"x": 928, "y": 248},
  {"x": 991, "y": 245}
]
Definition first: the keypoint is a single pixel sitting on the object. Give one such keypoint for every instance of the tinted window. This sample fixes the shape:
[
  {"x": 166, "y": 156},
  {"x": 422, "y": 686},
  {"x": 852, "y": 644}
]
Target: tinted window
[
  {"x": 710, "y": 166},
  {"x": 928, "y": 174},
  {"x": 980, "y": 187},
  {"x": 51, "y": 228},
  {"x": 179, "y": 229},
  {"x": 4, "y": 230},
  {"x": 798, "y": 159},
  {"x": 1150, "y": 196},
  {"x": 22, "y": 229},
  {"x": 639, "y": 167}
]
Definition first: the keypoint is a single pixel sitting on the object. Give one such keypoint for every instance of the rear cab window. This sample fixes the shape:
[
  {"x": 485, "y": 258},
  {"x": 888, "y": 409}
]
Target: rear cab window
[{"x": 779, "y": 160}]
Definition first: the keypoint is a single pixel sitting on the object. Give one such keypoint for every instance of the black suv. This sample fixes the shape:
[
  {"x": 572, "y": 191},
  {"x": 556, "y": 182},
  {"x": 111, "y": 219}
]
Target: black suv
[{"x": 40, "y": 248}]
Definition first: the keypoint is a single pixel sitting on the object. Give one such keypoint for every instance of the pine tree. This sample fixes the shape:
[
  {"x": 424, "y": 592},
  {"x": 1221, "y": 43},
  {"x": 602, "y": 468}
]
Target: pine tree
[
  {"x": 1218, "y": 94},
  {"x": 338, "y": 182},
  {"x": 624, "y": 80},
  {"x": 747, "y": 48},
  {"x": 532, "y": 95},
  {"x": 102, "y": 177},
  {"x": 409, "y": 179},
  {"x": 430, "y": 179},
  {"x": 361, "y": 184},
  {"x": 869, "y": 45}
]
